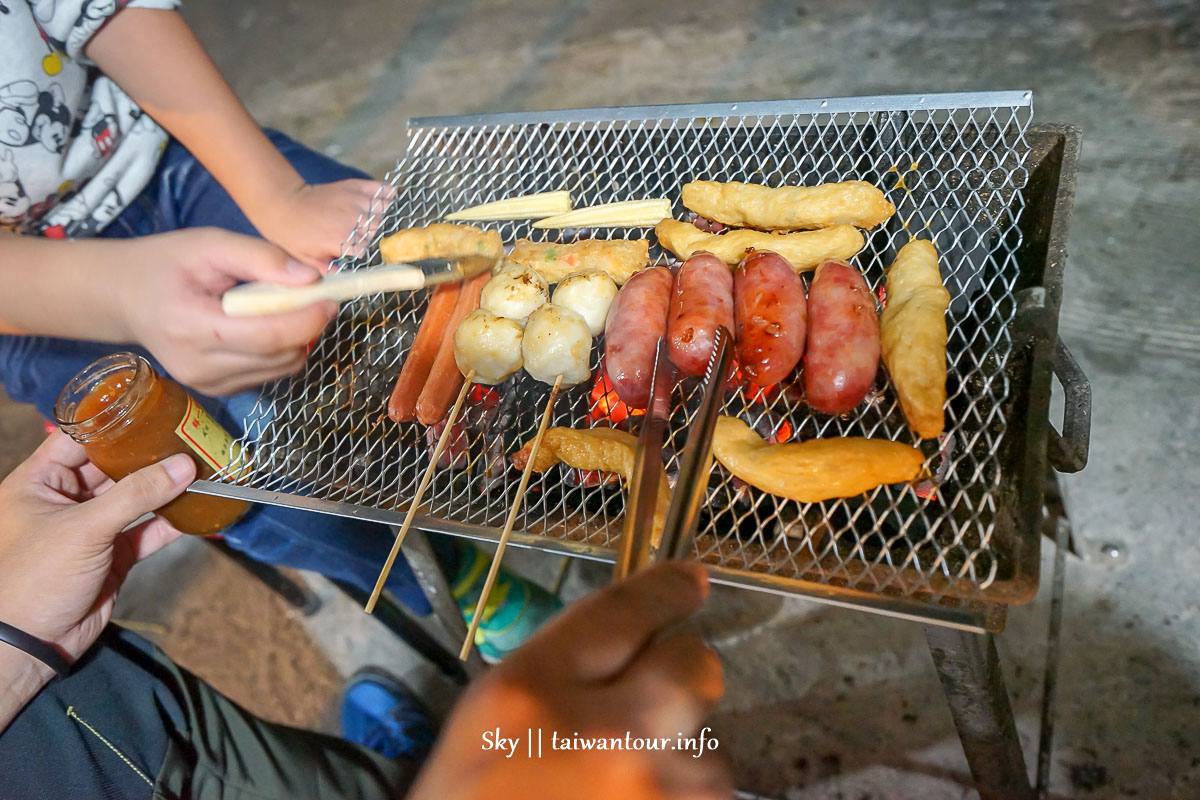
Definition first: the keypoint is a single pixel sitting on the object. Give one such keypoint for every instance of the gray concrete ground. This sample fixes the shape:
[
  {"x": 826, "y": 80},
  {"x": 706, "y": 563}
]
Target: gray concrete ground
[{"x": 824, "y": 702}]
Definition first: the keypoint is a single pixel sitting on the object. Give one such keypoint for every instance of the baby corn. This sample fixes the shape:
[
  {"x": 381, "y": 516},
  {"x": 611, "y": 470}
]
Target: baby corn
[
  {"x": 625, "y": 214},
  {"x": 530, "y": 206}
]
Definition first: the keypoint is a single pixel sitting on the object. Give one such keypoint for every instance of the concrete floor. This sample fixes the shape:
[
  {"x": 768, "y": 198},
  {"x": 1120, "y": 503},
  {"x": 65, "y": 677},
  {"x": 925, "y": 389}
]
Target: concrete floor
[{"x": 822, "y": 702}]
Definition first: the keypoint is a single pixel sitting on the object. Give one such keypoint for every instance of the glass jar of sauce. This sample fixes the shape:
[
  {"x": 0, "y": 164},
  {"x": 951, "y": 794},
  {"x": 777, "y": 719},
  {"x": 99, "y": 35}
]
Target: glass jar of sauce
[{"x": 127, "y": 417}]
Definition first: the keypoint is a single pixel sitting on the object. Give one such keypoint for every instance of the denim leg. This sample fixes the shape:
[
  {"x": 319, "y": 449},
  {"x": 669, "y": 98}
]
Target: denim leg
[{"x": 183, "y": 194}]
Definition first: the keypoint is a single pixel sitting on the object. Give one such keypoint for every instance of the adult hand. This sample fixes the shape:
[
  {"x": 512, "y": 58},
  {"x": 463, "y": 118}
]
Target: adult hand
[
  {"x": 313, "y": 222},
  {"x": 64, "y": 552},
  {"x": 603, "y": 668},
  {"x": 171, "y": 304}
]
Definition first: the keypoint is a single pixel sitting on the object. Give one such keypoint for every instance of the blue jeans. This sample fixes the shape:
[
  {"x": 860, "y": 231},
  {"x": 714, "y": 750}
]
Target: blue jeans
[{"x": 34, "y": 369}]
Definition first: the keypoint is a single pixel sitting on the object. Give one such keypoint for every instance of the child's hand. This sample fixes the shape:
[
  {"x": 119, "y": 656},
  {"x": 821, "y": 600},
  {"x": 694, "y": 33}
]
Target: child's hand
[
  {"x": 171, "y": 305},
  {"x": 312, "y": 222}
]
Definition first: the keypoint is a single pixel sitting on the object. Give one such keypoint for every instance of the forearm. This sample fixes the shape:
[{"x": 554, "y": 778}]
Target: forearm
[
  {"x": 155, "y": 58},
  {"x": 21, "y": 678},
  {"x": 68, "y": 289}
]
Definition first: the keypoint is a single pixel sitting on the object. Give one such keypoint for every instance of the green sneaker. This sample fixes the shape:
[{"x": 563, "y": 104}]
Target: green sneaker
[{"x": 515, "y": 609}]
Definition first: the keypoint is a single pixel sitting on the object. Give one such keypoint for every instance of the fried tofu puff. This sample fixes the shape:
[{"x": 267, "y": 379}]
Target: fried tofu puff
[
  {"x": 440, "y": 240},
  {"x": 789, "y": 208},
  {"x": 804, "y": 251},
  {"x": 620, "y": 258},
  {"x": 557, "y": 342},
  {"x": 488, "y": 344},
  {"x": 913, "y": 336}
]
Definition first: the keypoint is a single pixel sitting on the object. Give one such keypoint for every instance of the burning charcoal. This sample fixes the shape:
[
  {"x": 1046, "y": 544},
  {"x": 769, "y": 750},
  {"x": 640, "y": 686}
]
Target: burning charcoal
[{"x": 456, "y": 455}]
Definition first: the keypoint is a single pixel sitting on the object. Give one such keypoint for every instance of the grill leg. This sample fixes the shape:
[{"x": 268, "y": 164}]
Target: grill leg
[
  {"x": 970, "y": 671},
  {"x": 437, "y": 590}
]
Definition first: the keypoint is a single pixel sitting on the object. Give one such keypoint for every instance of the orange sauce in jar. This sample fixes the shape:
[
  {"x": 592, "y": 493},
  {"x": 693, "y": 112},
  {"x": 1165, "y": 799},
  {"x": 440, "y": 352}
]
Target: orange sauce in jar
[{"x": 127, "y": 417}]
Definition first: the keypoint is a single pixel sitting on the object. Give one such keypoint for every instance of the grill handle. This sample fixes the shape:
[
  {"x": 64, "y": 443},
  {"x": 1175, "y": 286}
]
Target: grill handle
[{"x": 1068, "y": 451}]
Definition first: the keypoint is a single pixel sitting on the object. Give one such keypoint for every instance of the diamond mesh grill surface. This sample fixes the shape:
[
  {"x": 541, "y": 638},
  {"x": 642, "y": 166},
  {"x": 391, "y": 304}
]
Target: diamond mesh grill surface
[{"x": 952, "y": 165}]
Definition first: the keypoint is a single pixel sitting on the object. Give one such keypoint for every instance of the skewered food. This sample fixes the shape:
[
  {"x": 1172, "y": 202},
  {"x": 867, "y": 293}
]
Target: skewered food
[
  {"x": 636, "y": 321},
  {"x": 402, "y": 406},
  {"x": 913, "y": 336},
  {"x": 804, "y": 250},
  {"x": 514, "y": 293},
  {"x": 771, "y": 315},
  {"x": 701, "y": 301},
  {"x": 819, "y": 469},
  {"x": 488, "y": 344},
  {"x": 623, "y": 214},
  {"x": 439, "y": 240},
  {"x": 787, "y": 208},
  {"x": 444, "y": 378},
  {"x": 601, "y": 449},
  {"x": 557, "y": 342},
  {"x": 588, "y": 293},
  {"x": 530, "y": 206},
  {"x": 843, "y": 339},
  {"x": 620, "y": 258}
]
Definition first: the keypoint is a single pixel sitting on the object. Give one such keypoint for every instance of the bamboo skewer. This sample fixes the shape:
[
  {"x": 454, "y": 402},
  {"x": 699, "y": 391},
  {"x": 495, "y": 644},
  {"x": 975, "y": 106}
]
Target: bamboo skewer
[
  {"x": 508, "y": 524},
  {"x": 468, "y": 382}
]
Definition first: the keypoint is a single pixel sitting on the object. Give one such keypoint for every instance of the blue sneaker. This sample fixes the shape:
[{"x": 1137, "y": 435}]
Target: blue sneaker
[{"x": 381, "y": 713}]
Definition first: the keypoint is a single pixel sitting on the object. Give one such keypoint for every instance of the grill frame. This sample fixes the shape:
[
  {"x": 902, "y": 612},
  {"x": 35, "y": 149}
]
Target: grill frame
[{"x": 1033, "y": 329}]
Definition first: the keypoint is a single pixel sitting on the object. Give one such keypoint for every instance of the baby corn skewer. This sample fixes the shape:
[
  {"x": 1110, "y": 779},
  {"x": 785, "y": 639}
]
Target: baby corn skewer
[
  {"x": 624, "y": 214},
  {"x": 530, "y": 206}
]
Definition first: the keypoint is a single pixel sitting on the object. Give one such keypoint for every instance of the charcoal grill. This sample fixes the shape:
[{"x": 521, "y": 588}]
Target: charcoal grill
[
  {"x": 954, "y": 552},
  {"x": 965, "y": 170}
]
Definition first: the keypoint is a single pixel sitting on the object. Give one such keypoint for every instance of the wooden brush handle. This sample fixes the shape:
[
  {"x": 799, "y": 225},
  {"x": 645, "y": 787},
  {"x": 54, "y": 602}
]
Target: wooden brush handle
[{"x": 253, "y": 299}]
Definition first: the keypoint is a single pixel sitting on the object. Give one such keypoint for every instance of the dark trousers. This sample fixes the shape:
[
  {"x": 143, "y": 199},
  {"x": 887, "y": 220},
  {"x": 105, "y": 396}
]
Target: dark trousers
[
  {"x": 34, "y": 369},
  {"x": 128, "y": 723}
]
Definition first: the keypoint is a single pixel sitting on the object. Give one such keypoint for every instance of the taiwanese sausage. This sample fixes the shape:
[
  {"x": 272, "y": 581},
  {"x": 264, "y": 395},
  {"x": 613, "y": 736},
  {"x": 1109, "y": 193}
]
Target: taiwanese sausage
[
  {"x": 636, "y": 321},
  {"x": 771, "y": 315},
  {"x": 843, "y": 339},
  {"x": 444, "y": 378},
  {"x": 402, "y": 407},
  {"x": 702, "y": 300}
]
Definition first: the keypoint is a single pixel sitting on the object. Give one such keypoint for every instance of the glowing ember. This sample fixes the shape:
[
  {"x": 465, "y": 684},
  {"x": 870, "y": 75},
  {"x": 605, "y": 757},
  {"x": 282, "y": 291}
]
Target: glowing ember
[
  {"x": 483, "y": 395},
  {"x": 606, "y": 404},
  {"x": 881, "y": 293},
  {"x": 782, "y": 433}
]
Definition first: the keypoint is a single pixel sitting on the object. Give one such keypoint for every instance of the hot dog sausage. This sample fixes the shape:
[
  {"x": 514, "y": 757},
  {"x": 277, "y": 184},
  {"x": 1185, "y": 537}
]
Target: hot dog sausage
[
  {"x": 771, "y": 315},
  {"x": 444, "y": 378},
  {"x": 843, "y": 339},
  {"x": 701, "y": 300},
  {"x": 402, "y": 407},
  {"x": 636, "y": 321}
]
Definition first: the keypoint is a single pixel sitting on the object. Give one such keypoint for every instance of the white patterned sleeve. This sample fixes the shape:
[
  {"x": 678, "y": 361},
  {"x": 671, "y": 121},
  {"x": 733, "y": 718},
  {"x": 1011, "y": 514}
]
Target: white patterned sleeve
[{"x": 69, "y": 24}]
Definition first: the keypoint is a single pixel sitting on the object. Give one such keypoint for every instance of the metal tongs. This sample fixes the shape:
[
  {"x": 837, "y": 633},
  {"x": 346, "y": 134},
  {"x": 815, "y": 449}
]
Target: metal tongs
[{"x": 695, "y": 465}]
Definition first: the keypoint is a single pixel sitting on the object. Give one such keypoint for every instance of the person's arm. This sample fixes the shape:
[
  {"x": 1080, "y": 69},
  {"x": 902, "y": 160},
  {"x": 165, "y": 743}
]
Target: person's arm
[
  {"x": 163, "y": 292},
  {"x": 155, "y": 58},
  {"x": 66, "y": 547}
]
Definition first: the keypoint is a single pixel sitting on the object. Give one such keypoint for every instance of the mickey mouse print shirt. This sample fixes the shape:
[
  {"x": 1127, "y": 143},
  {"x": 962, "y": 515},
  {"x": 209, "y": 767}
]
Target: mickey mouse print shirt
[{"x": 74, "y": 149}]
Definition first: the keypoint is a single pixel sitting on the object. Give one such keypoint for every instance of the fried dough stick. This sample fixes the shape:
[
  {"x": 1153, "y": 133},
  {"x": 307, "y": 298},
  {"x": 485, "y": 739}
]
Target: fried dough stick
[
  {"x": 788, "y": 208},
  {"x": 912, "y": 336},
  {"x": 804, "y": 251},
  {"x": 601, "y": 449},
  {"x": 819, "y": 469}
]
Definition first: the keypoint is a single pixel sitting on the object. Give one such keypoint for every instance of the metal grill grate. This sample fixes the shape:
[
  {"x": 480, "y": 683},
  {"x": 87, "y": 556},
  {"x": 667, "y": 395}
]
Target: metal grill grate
[{"x": 953, "y": 166}]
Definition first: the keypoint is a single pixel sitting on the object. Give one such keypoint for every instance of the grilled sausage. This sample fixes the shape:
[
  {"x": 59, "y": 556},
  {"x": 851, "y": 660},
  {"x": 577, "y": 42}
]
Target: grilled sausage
[
  {"x": 636, "y": 321},
  {"x": 701, "y": 300},
  {"x": 402, "y": 407},
  {"x": 444, "y": 378},
  {"x": 843, "y": 339},
  {"x": 771, "y": 315}
]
